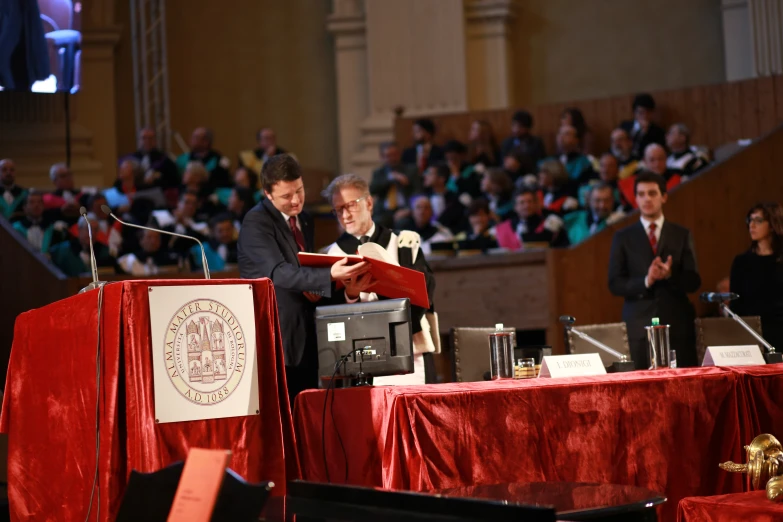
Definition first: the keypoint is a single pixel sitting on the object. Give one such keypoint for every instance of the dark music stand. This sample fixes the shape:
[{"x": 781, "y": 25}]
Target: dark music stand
[{"x": 149, "y": 497}]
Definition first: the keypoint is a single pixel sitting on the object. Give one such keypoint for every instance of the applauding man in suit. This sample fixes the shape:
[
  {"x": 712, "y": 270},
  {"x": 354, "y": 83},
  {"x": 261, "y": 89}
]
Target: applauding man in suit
[
  {"x": 653, "y": 266},
  {"x": 272, "y": 235}
]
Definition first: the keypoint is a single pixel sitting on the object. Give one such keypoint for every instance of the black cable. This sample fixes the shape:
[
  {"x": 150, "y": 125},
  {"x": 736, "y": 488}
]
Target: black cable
[
  {"x": 343, "y": 359},
  {"x": 97, "y": 413}
]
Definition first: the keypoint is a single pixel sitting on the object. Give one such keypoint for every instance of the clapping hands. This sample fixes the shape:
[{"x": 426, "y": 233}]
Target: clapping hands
[{"x": 659, "y": 270}]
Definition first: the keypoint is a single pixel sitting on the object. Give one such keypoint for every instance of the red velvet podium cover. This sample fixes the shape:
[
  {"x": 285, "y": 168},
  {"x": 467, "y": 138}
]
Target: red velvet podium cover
[
  {"x": 752, "y": 506},
  {"x": 49, "y": 409}
]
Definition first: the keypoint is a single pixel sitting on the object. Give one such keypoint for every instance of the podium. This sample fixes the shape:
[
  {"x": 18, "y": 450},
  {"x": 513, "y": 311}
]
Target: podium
[{"x": 49, "y": 408}]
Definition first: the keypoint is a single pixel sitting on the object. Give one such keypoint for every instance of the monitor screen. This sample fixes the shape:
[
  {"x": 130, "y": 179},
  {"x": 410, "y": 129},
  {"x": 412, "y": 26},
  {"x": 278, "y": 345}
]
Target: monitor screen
[
  {"x": 40, "y": 46},
  {"x": 374, "y": 338}
]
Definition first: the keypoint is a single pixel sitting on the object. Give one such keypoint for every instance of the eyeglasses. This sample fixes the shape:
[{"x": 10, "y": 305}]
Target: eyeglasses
[
  {"x": 755, "y": 219},
  {"x": 351, "y": 206}
]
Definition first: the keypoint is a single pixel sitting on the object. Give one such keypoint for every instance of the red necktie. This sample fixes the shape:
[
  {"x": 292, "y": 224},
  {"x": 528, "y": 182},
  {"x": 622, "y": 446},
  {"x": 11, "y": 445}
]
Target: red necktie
[
  {"x": 298, "y": 236},
  {"x": 422, "y": 160},
  {"x": 653, "y": 239}
]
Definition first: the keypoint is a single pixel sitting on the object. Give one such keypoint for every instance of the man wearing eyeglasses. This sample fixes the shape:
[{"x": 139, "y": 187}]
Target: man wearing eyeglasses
[
  {"x": 350, "y": 197},
  {"x": 272, "y": 234}
]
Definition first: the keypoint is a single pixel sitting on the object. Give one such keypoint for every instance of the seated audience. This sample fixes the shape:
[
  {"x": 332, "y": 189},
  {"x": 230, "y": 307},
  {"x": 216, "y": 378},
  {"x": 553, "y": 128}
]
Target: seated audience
[
  {"x": 601, "y": 213},
  {"x": 246, "y": 178},
  {"x": 36, "y": 227},
  {"x": 64, "y": 202},
  {"x": 655, "y": 162},
  {"x": 608, "y": 173},
  {"x": 480, "y": 234},
  {"x": 158, "y": 168},
  {"x": 240, "y": 202},
  {"x": 266, "y": 140},
  {"x": 757, "y": 275},
  {"x": 642, "y": 129},
  {"x": 522, "y": 139},
  {"x": 183, "y": 220},
  {"x": 446, "y": 207},
  {"x": 151, "y": 258},
  {"x": 73, "y": 256},
  {"x": 107, "y": 231},
  {"x": 499, "y": 191},
  {"x": 201, "y": 151},
  {"x": 423, "y": 223},
  {"x": 392, "y": 185},
  {"x": 572, "y": 117},
  {"x": 622, "y": 148},
  {"x": 424, "y": 152},
  {"x": 557, "y": 189},
  {"x": 482, "y": 147},
  {"x": 130, "y": 178},
  {"x": 534, "y": 224},
  {"x": 221, "y": 249},
  {"x": 519, "y": 166},
  {"x": 464, "y": 179},
  {"x": 11, "y": 195},
  {"x": 579, "y": 167},
  {"x": 195, "y": 179},
  {"x": 683, "y": 157}
]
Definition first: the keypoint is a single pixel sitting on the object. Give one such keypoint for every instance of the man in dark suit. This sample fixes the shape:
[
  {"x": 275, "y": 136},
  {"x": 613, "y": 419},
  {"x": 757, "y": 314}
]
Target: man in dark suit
[
  {"x": 392, "y": 185},
  {"x": 424, "y": 153},
  {"x": 653, "y": 266},
  {"x": 272, "y": 235},
  {"x": 522, "y": 140}
]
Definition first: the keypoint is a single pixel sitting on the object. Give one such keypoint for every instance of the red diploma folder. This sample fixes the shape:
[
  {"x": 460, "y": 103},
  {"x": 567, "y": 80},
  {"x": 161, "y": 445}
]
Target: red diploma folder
[{"x": 393, "y": 281}]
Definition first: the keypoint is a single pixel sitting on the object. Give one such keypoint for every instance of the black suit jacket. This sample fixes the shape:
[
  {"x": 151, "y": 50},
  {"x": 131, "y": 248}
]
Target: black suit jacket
[
  {"x": 267, "y": 248},
  {"x": 630, "y": 259},
  {"x": 435, "y": 156}
]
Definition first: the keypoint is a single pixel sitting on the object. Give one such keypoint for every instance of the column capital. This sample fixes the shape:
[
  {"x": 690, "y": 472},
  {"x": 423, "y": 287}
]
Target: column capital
[
  {"x": 347, "y": 18},
  {"x": 495, "y": 11}
]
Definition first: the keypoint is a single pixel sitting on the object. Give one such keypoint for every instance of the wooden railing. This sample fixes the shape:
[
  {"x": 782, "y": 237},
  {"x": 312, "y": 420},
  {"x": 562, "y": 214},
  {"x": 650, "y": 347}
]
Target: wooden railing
[{"x": 716, "y": 115}]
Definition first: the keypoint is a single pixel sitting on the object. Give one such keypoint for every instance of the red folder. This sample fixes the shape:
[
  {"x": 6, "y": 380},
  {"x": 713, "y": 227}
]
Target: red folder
[{"x": 393, "y": 281}]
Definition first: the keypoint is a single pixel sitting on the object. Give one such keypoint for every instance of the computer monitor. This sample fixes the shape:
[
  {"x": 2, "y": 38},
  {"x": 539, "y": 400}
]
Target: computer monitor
[{"x": 374, "y": 338}]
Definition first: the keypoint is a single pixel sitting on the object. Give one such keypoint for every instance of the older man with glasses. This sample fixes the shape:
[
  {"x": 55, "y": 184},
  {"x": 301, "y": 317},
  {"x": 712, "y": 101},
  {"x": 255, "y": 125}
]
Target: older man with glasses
[{"x": 351, "y": 202}]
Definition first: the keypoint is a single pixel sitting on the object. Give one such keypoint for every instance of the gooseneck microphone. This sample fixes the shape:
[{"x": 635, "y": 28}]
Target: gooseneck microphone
[
  {"x": 93, "y": 265},
  {"x": 107, "y": 211},
  {"x": 718, "y": 297}
]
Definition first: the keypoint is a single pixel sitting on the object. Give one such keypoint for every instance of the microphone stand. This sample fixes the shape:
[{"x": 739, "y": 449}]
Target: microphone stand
[
  {"x": 771, "y": 356},
  {"x": 623, "y": 365},
  {"x": 93, "y": 264},
  {"x": 108, "y": 211}
]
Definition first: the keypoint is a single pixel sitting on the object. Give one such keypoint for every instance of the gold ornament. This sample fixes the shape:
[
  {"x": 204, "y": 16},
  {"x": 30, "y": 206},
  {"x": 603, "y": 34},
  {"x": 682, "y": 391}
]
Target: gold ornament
[{"x": 764, "y": 465}]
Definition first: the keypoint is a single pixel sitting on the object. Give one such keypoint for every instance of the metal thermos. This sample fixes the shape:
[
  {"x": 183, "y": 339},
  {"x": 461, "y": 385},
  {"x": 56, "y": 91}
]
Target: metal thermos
[
  {"x": 501, "y": 354},
  {"x": 658, "y": 344}
]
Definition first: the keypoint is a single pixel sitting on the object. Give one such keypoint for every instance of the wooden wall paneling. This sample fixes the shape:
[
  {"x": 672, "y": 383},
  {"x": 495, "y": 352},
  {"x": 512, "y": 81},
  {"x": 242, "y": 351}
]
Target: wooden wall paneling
[
  {"x": 696, "y": 118},
  {"x": 778, "y": 83},
  {"x": 749, "y": 108},
  {"x": 732, "y": 119},
  {"x": 765, "y": 91}
]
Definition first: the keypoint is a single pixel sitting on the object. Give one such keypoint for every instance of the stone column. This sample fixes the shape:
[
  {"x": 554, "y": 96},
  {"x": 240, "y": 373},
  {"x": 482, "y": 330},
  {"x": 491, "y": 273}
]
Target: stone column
[
  {"x": 347, "y": 24},
  {"x": 753, "y": 38},
  {"x": 488, "y": 53}
]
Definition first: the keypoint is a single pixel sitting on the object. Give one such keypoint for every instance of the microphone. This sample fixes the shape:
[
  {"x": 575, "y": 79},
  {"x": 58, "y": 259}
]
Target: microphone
[
  {"x": 93, "y": 265},
  {"x": 107, "y": 211},
  {"x": 718, "y": 297},
  {"x": 567, "y": 320}
]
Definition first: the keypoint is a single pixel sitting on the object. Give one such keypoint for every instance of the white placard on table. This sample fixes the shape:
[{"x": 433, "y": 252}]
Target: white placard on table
[
  {"x": 203, "y": 352},
  {"x": 575, "y": 365},
  {"x": 745, "y": 355}
]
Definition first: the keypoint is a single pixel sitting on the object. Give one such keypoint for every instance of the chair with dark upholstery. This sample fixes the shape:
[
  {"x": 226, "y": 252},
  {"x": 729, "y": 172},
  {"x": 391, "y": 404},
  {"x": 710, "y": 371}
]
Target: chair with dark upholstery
[
  {"x": 470, "y": 347},
  {"x": 613, "y": 335},
  {"x": 724, "y": 331}
]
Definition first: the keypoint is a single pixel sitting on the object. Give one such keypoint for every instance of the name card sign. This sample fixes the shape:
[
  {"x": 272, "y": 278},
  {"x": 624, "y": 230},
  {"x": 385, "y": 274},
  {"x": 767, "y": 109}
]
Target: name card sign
[
  {"x": 747, "y": 355},
  {"x": 575, "y": 365}
]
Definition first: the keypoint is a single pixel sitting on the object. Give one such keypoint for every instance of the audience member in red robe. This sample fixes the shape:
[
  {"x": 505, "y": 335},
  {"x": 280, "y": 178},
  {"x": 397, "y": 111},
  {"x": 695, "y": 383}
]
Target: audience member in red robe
[
  {"x": 557, "y": 194},
  {"x": 63, "y": 204},
  {"x": 534, "y": 224}
]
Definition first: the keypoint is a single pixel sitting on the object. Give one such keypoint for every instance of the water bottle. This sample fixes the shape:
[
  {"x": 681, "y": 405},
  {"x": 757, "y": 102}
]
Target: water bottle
[
  {"x": 501, "y": 354},
  {"x": 658, "y": 344}
]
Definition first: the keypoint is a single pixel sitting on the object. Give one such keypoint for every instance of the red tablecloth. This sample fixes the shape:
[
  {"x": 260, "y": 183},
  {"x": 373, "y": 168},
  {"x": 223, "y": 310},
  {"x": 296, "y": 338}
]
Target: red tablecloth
[
  {"x": 50, "y": 395},
  {"x": 748, "y": 507},
  {"x": 665, "y": 430}
]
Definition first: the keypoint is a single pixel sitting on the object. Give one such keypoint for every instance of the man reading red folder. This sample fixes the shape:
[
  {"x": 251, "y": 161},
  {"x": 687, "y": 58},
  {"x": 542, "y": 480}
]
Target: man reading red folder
[{"x": 350, "y": 197}]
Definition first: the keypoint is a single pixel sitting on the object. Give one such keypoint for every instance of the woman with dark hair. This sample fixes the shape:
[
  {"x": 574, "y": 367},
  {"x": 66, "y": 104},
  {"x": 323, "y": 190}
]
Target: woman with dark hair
[
  {"x": 757, "y": 275},
  {"x": 482, "y": 145},
  {"x": 240, "y": 202},
  {"x": 573, "y": 117}
]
